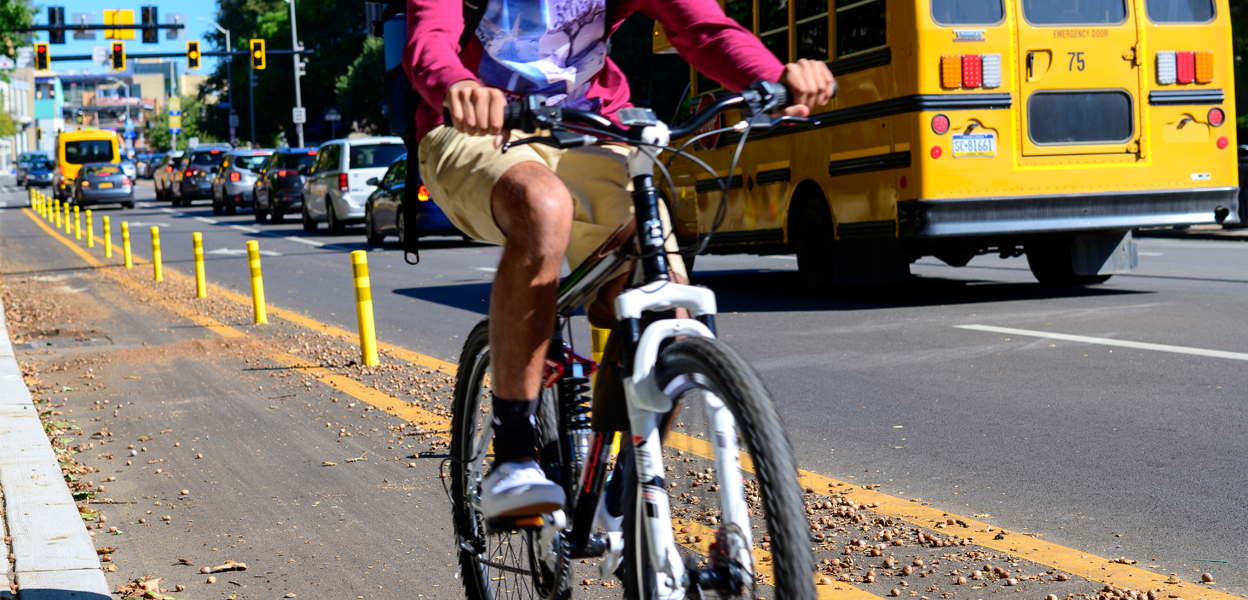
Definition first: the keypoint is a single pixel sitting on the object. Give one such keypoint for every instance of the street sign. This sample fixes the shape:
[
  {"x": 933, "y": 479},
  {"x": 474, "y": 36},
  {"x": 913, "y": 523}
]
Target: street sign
[
  {"x": 6, "y": 63},
  {"x": 174, "y": 19},
  {"x": 84, "y": 19},
  {"x": 99, "y": 55},
  {"x": 175, "y": 115},
  {"x": 332, "y": 113},
  {"x": 299, "y": 115},
  {"x": 192, "y": 143},
  {"x": 25, "y": 55},
  {"x": 233, "y": 121}
]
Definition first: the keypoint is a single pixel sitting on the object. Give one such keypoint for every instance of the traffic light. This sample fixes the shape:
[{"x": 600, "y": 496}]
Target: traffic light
[
  {"x": 150, "y": 36},
  {"x": 257, "y": 54},
  {"x": 42, "y": 59},
  {"x": 192, "y": 54},
  {"x": 119, "y": 56},
  {"x": 56, "y": 17}
]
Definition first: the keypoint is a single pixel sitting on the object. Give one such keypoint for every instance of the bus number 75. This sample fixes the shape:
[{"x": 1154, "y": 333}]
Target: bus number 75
[{"x": 1076, "y": 58}]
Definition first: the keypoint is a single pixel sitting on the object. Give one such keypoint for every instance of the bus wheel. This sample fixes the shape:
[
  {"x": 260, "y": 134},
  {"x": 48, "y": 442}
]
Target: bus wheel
[
  {"x": 816, "y": 247},
  {"x": 1051, "y": 263}
]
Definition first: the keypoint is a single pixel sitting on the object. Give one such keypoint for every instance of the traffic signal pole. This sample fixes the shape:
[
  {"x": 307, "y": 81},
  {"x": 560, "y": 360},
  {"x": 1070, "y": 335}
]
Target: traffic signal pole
[
  {"x": 294, "y": 43},
  {"x": 251, "y": 100}
]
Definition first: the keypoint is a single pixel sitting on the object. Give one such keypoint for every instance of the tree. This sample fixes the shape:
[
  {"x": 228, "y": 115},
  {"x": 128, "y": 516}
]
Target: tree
[
  {"x": 14, "y": 15},
  {"x": 158, "y": 136},
  {"x": 334, "y": 30},
  {"x": 361, "y": 92}
]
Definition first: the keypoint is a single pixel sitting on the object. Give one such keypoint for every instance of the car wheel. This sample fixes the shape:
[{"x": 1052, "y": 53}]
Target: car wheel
[
  {"x": 216, "y": 207},
  {"x": 308, "y": 224},
  {"x": 231, "y": 208},
  {"x": 370, "y": 229},
  {"x": 129, "y": 204},
  {"x": 400, "y": 224},
  {"x": 278, "y": 217},
  {"x": 332, "y": 221}
]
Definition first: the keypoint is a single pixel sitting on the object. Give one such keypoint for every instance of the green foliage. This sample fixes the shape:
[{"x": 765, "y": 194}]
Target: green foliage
[
  {"x": 361, "y": 92},
  {"x": 7, "y": 128},
  {"x": 334, "y": 30},
  {"x": 14, "y": 14},
  {"x": 657, "y": 81},
  {"x": 158, "y": 136}
]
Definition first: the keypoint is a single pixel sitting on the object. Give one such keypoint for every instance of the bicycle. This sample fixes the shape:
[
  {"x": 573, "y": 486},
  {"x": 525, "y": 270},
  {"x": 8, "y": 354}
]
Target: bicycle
[{"x": 664, "y": 362}]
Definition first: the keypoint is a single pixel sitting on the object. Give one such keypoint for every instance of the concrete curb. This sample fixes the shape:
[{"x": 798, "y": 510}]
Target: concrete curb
[{"x": 55, "y": 557}]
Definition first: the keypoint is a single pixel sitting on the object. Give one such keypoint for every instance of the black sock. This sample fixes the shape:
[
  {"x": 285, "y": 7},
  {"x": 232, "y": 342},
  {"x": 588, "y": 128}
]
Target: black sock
[{"x": 515, "y": 431}]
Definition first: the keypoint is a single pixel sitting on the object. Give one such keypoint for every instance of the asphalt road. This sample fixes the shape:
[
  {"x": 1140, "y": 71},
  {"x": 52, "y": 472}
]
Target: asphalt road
[{"x": 1111, "y": 450}]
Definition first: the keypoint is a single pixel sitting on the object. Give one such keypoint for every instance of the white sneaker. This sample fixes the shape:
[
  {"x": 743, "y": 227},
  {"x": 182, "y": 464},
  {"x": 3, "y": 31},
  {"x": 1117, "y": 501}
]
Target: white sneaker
[{"x": 519, "y": 489}]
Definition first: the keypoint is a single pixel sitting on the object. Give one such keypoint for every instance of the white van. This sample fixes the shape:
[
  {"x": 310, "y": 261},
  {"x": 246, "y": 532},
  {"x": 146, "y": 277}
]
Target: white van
[{"x": 337, "y": 186}]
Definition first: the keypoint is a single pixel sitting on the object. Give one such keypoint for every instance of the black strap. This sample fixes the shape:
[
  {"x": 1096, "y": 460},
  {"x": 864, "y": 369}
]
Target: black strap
[{"x": 472, "y": 18}]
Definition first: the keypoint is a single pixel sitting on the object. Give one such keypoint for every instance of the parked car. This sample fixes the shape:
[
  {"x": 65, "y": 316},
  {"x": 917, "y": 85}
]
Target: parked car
[
  {"x": 384, "y": 215},
  {"x": 23, "y": 163},
  {"x": 337, "y": 187},
  {"x": 103, "y": 183},
  {"x": 279, "y": 186},
  {"x": 162, "y": 178},
  {"x": 233, "y": 184},
  {"x": 192, "y": 179},
  {"x": 39, "y": 172}
]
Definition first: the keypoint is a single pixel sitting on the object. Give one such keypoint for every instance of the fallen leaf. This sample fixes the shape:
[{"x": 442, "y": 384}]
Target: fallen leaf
[
  {"x": 229, "y": 565},
  {"x": 328, "y": 464},
  {"x": 185, "y": 561}
]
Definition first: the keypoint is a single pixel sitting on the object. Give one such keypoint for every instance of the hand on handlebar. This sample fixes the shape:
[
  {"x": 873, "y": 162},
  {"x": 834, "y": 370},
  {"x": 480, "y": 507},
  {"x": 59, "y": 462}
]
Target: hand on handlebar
[
  {"x": 475, "y": 109},
  {"x": 810, "y": 84}
]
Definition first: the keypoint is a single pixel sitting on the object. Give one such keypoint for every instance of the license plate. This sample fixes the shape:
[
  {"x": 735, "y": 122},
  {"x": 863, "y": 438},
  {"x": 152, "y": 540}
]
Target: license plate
[
  {"x": 106, "y": 184},
  {"x": 975, "y": 144}
]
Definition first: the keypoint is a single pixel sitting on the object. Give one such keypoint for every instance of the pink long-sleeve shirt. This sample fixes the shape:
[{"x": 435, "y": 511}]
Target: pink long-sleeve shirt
[{"x": 699, "y": 30}]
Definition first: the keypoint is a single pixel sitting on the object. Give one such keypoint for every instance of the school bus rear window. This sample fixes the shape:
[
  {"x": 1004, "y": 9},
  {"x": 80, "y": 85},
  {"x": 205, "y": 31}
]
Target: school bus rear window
[
  {"x": 967, "y": 12},
  {"x": 1180, "y": 11},
  {"x": 812, "y": 29},
  {"x": 1074, "y": 12},
  {"x": 1102, "y": 117},
  {"x": 861, "y": 25}
]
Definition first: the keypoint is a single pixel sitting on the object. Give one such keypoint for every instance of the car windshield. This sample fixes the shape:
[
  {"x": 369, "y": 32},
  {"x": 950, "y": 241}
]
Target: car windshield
[
  {"x": 374, "y": 156},
  {"x": 250, "y": 162},
  {"x": 38, "y": 165},
  {"x": 101, "y": 170},
  {"x": 85, "y": 151},
  {"x": 294, "y": 161},
  {"x": 207, "y": 159}
]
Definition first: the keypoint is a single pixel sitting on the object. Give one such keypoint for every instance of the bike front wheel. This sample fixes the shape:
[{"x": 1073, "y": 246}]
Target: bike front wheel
[{"x": 741, "y": 497}]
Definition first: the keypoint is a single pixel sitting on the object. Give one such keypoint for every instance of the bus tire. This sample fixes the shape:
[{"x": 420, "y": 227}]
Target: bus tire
[
  {"x": 815, "y": 245},
  {"x": 1051, "y": 264}
]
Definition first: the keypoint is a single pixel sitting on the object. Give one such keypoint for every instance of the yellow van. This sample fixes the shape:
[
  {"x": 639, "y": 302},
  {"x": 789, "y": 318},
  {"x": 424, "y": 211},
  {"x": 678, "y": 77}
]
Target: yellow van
[{"x": 76, "y": 148}]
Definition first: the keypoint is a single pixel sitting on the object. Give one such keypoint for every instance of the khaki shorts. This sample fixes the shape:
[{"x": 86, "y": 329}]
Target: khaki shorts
[{"x": 460, "y": 172}]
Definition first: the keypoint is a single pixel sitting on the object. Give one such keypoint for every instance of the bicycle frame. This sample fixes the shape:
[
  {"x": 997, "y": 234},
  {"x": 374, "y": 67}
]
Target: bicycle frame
[{"x": 647, "y": 403}]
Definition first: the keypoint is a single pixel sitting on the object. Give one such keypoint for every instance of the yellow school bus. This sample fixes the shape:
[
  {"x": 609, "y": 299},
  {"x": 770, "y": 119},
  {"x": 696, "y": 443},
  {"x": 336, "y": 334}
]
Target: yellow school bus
[
  {"x": 76, "y": 148},
  {"x": 1050, "y": 128}
]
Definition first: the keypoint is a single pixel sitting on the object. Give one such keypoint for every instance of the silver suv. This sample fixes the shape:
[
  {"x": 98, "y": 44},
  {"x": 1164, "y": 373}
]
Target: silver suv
[
  {"x": 337, "y": 188},
  {"x": 233, "y": 181}
]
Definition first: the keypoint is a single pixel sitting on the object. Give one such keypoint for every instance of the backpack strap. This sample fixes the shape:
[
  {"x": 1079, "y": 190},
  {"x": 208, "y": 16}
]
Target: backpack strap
[{"x": 472, "y": 17}]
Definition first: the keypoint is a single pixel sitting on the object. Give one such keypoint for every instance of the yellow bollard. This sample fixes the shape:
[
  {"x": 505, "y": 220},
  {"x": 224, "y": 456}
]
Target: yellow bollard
[
  {"x": 58, "y": 214},
  {"x": 69, "y": 224},
  {"x": 257, "y": 281},
  {"x": 201, "y": 287},
  {"x": 364, "y": 309},
  {"x": 90, "y": 230},
  {"x": 125, "y": 243},
  {"x": 108, "y": 239},
  {"x": 77, "y": 224},
  {"x": 160, "y": 276}
]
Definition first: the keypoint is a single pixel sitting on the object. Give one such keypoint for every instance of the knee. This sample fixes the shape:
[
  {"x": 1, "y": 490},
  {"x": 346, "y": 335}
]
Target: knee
[{"x": 531, "y": 204}]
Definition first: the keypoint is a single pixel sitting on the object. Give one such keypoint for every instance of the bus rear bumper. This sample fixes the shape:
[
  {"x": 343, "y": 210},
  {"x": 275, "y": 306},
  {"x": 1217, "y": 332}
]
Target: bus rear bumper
[{"x": 961, "y": 217}]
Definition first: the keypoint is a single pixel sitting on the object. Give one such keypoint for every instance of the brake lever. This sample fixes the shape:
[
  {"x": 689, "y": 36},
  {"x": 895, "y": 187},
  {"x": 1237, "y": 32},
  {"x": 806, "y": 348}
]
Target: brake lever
[{"x": 558, "y": 138}]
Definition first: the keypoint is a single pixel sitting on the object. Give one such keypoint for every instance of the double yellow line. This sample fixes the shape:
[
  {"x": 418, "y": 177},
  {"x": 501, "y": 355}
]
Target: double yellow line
[{"x": 1069, "y": 560}]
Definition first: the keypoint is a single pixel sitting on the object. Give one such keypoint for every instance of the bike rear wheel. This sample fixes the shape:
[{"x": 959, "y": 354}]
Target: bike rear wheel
[
  {"x": 496, "y": 562},
  {"x": 700, "y": 372}
]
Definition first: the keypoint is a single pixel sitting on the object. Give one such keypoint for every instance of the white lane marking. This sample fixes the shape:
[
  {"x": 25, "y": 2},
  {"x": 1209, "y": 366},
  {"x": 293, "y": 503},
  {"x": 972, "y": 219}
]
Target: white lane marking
[
  {"x": 245, "y": 229},
  {"x": 206, "y": 220},
  {"x": 780, "y": 257},
  {"x": 240, "y": 251},
  {"x": 305, "y": 241},
  {"x": 148, "y": 224},
  {"x": 1109, "y": 342},
  {"x": 170, "y": 211},
  {"x": 1150, "y": 253},
  {"x": 487, "y": 269}
]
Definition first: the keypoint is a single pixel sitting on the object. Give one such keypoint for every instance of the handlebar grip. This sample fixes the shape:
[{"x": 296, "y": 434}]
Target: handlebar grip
[{"x": 513, "y": 116}]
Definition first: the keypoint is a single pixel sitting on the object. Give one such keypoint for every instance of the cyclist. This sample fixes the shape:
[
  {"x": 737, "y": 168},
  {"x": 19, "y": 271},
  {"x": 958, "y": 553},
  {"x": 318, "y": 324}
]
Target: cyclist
[{"x": 541, "y": 203}]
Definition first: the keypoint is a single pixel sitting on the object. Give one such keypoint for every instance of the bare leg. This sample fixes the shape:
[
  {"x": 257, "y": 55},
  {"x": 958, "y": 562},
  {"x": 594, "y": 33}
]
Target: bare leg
[{"x": 534, "y": 210}]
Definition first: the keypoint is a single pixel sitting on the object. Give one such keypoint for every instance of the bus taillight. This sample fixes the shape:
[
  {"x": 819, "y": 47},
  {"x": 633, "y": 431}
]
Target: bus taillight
[
  {"x": 940, "y": 124},
  {"x": 1216, "y": 117},
  {"x": 970, "y": 70},
  {"x": 1184, "y": 67}
]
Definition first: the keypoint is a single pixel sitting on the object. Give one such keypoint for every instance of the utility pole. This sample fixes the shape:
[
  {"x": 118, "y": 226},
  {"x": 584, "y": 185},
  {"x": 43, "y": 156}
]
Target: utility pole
[
  {"x": 251, "y": 100},
  {"x": 294, "y": 42},
  {"x": 229, "y": 70}
]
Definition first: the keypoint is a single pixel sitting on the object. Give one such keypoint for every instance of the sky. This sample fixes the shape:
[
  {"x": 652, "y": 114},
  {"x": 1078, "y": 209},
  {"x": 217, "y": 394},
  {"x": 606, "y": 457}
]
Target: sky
[{"x": 195, "y": 30}]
